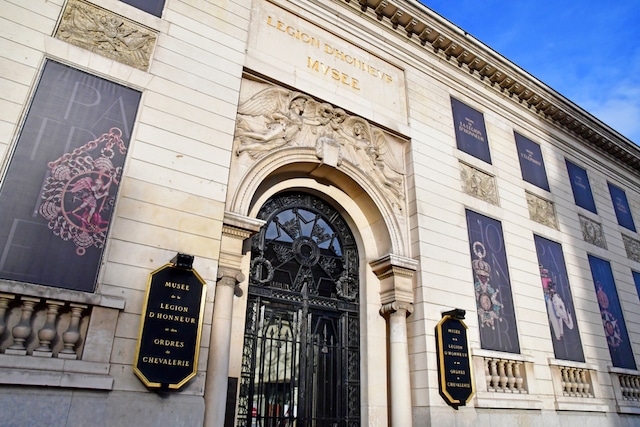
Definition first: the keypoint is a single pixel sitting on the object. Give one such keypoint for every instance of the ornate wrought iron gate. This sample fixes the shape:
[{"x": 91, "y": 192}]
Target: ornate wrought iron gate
[{"x": 301, "y": 356}]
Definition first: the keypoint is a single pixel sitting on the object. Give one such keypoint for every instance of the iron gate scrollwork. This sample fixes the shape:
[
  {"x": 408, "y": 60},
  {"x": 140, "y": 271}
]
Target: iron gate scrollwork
[{"x": 301, "y": 355}]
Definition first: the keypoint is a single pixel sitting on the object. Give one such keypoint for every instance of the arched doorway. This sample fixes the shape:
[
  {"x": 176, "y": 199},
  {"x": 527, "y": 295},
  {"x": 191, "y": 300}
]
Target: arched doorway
[{"x": 301, "y": 355}]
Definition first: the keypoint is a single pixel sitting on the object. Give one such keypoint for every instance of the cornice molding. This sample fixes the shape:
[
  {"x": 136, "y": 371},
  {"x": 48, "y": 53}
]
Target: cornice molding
[{"x": 442, "y": 39}]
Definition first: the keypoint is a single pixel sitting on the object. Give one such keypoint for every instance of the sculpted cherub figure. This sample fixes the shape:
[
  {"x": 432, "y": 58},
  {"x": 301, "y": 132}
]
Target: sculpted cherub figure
[{"x": 282, "y": 113}]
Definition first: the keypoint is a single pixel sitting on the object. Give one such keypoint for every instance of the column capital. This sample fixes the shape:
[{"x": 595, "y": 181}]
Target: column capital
[
  {"x": 240, "y": 226},
  {"x": 397, "y": 308},
  {"x": 395, "y": 273},
  {"x": 229, "y": 277}
]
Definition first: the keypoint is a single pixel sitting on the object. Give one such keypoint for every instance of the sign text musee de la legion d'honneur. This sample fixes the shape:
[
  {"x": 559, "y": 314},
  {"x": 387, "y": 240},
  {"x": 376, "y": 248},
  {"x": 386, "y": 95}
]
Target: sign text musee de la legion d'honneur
[
  {"x": 304, "y": 54},
  {"x": 171, "y": 327},
  {"x": 351, "y": 63},
  {"x": 455, "y": 378}
]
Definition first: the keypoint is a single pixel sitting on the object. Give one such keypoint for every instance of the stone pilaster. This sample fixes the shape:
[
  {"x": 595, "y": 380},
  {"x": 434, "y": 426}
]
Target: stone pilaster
[{"x": 235, "y": 230}]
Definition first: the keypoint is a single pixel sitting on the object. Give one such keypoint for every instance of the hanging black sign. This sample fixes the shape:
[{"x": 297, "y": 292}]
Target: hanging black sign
[
  {"x": 171, "y": 327},
  {"x": 455, "y": 377}
]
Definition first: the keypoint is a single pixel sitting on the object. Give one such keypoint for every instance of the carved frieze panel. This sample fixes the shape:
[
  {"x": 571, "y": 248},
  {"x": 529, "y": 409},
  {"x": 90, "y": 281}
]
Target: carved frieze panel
[
  {"x": 103, "y": 32},
  {"x": 592, "y": 232},
  {"x": 478, "y": 184},
  {"x": 542, "y": 211},
  {"x": 272, "y": 119},
  {"x": 632, "y": 246}
]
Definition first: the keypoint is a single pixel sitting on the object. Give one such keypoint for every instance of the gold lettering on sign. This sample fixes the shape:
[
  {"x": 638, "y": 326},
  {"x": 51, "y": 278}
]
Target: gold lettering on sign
[
  {"x": 340, "y": 76},
  {"x": 167, "y": 362},
  {"x": 343, "y": 78}
]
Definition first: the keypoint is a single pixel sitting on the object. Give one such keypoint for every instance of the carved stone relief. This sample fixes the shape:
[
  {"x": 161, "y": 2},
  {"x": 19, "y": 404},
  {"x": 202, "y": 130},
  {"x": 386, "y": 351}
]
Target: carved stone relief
[
  {"x": 632, "y": 247},
  {"x": 542, "y": 211},
  {"x": 106, "y": 33},
  {"x": 271, "y": 118},
  {"x": 592, "y": 232},
  {"x": 478, "y": 184}
]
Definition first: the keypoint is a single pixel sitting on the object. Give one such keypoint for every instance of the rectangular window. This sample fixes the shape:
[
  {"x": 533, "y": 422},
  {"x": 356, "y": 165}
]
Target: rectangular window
[
  {"x": 615, "y": 329},
  {"x": 621, "y": 206},
  {"x": 153, "y": 7},
  {"x": 558, "y": 301},
  {"x": 581, "y": 188},
  {"x": 531, "y": 162},
  {"x": 471, "y": 134},
  {"x": 636, "y": 280},
  {"x": 59, "y": 191},
  {"x": 494, "y": 302}
]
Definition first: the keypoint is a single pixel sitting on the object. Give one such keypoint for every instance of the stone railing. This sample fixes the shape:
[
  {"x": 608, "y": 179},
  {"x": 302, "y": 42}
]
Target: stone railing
[
  {"x": 504, "y": 380},
  {"x": 42, "y": 327},
  {"x": 630, "y": 387},
  {"x": 626, "y": 387},
  {"x": 56, "y": 337},
  {"x": 504, "y": 375},
  {"x": 576, "y": 382},
  {"x": 576, "y": 386}
]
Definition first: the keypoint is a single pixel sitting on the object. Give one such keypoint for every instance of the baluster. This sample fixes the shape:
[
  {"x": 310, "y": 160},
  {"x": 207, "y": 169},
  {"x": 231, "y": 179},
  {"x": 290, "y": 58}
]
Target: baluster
[
  {"x": 48, "y": 332},
  {"x": 22, "y": 330},
  {"x": 519, "y": 378},
  {"x": 572, "y": 383},
  {"x": 623, "y": 386},
  {"x": 635, "y": 383},
  {"x": 511, "y": 379},
  {"x": 4, "y": 304},
  {"x": 584, "y": 375},
  {"x": 502, "y": 373},
  {"x": 494, "y": 374},
  {"x": 580, "y": 382},
  {"x": 487, "y": 374},
  {"x": 565, "y": 380},
  {"x": 72, "y": 334}
]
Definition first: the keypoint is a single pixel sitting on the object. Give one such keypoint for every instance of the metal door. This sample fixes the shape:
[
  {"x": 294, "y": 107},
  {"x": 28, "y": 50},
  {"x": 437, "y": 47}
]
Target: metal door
[{"x": 301, "y": 356}]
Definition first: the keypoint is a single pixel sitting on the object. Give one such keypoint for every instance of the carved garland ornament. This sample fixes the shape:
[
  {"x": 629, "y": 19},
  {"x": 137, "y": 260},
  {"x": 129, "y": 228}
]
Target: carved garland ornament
[
  {"x": 106, "y": 33},
  {"x": 592, "y": 232},
  {"x": 542, "y": 211},
  {"x": 275, "y": 118},
  {"x": 632, "y": 246},
  {"x": 478, "y": 184}
]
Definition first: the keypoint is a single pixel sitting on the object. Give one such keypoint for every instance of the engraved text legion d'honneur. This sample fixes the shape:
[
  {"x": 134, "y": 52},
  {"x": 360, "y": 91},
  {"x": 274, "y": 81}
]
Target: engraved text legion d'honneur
[{"x": 343, "y": 75}]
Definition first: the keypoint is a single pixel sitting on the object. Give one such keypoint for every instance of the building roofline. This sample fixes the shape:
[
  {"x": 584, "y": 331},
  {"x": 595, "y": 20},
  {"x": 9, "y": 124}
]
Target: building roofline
[{"x": 445, "y": 40}]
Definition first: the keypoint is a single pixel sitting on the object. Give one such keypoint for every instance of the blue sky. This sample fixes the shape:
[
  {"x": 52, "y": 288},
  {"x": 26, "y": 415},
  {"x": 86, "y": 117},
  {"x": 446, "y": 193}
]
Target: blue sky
[{"x": 587, "y": 51}]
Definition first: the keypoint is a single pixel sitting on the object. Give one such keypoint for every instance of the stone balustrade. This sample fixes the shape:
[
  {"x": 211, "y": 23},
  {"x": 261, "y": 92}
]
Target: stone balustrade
[
  {"x": 42, "y": 327},
  {"x": 630, "y": 387},
  {"x": 576, "y": 382},
  {"x": 56, "y": 337},
  {"x": 504, "y": 375}
]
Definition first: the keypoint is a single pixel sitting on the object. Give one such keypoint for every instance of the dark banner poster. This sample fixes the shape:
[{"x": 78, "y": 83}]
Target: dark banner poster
[
  {"x": 612, "y": 319},
  {"x": 57, "y": 198},
  {"x": 471, "y": 134},
  {"x": 153, "y": 7},
  {"x": 581, "y": 188},
  {"x": 621, "y": 206},
  {"x": 494, "y": 301},
  {"x": 636, "y": 280},
  {"x": 531, "y": 162},
  {"x": 557, "y": 297}
]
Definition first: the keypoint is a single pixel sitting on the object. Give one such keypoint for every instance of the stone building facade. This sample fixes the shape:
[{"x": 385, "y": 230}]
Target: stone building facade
[{"x": 340, "y": 174}]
